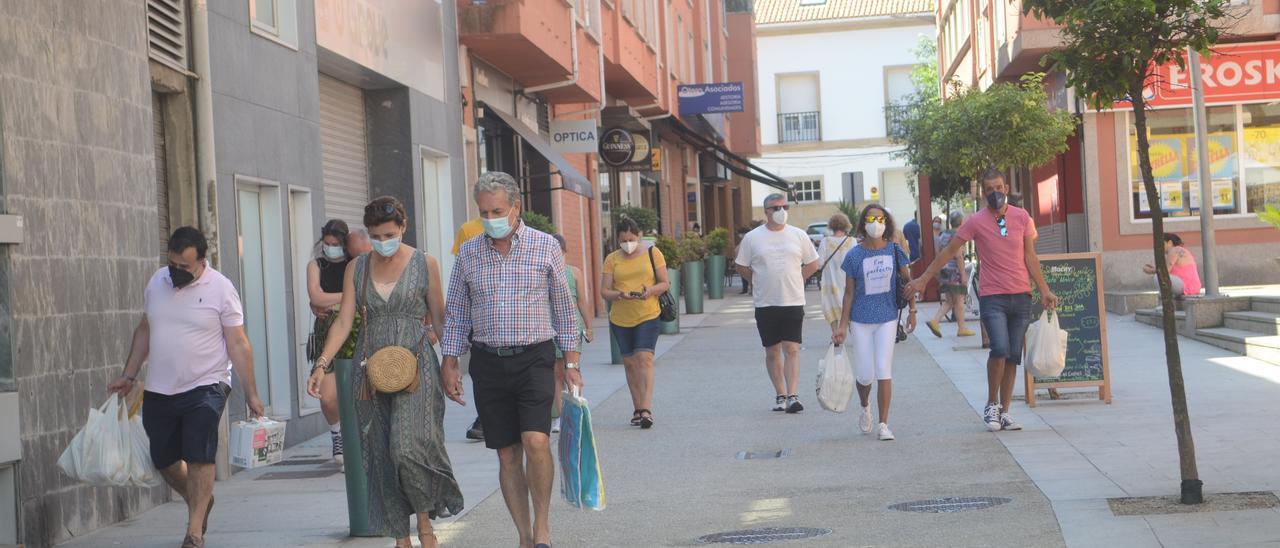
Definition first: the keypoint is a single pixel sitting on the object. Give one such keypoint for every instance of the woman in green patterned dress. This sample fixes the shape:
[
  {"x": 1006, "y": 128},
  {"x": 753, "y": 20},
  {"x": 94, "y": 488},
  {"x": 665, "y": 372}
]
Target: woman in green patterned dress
[
  {"x": 398, "y": 290},
  {"x": 581, "y": 298}
]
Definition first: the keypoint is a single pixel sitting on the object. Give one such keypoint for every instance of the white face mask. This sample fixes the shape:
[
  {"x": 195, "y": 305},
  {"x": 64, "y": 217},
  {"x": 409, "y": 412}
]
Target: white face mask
[
  {"x": 629, "y": 247},
  {"x": 780, "y": 216},
  {"x": 875, "y": 230}
]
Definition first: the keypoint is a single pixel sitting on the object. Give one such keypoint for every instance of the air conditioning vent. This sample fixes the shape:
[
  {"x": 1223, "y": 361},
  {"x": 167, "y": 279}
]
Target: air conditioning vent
[{"x": 167, "y": 32}]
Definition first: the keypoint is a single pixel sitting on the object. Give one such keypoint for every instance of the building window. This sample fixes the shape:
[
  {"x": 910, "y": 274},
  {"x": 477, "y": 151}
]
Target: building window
[
  {"x": 589, "y": 17},
  {"x": 1261, "y": 156},
  {"x": 1174, "y": 166},
  {"x": 799, "y": 113},
  {"x": 275, "y": 19},
  {"x": 807, "y": 190}
]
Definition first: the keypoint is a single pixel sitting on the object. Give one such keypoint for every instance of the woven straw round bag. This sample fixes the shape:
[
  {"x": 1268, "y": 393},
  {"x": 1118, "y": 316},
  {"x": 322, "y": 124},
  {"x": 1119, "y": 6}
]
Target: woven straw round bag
[{"x": 392, "y": 369}]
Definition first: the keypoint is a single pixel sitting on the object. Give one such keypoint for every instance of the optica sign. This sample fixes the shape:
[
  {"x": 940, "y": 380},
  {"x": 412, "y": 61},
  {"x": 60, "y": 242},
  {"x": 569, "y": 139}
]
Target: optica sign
[{"x": 1233, "y": 73}]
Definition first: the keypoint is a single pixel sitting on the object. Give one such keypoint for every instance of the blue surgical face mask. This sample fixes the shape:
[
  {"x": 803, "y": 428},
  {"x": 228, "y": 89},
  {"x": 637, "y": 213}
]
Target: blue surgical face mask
[
  {"x": 497, "y": 228},
  {"x": 386, "y": 248},
  {"x": 333, "y": 252}
]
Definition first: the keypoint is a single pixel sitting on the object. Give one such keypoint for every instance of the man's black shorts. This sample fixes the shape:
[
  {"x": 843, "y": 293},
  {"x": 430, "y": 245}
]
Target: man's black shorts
[
  {"x": 184, "y": 426},
  {"x": 779, "y": 323},
  {"x": 514, "y": 394}
]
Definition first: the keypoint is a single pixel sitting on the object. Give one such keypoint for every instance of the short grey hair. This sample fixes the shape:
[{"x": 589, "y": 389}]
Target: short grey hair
[
  {"x": 359, "y": 231},
  {"x": 773, "y": 198},
  {"x": 497, "y": 181}
]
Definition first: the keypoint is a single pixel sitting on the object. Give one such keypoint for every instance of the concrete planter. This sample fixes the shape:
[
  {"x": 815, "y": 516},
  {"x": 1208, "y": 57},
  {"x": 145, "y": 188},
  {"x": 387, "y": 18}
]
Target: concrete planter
[
  {"x": 715, "y": 276},
  {"x": 694, "y": 277}
]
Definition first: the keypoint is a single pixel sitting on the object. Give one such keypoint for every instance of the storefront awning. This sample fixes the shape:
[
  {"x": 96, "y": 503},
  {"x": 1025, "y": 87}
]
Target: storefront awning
[
  {"x": 570, "y": 178},
  {"x": 729, "y": 160}
]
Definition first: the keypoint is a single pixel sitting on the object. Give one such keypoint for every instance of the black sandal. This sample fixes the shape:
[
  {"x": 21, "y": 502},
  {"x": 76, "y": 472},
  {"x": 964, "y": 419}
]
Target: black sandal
[
  {"x": 646, "y": 419},
  {"x": 635, "y": 418}
]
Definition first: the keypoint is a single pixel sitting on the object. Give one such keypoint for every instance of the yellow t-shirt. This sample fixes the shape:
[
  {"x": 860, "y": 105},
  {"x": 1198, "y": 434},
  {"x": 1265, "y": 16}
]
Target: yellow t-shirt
[
  {"x": 467, "y": 231},
  {"x": 633, "y": 274}
]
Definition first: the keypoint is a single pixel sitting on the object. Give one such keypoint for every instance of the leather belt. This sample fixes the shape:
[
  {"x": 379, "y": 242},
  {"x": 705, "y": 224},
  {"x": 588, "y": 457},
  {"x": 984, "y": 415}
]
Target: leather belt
[{"x": 504, "y": 351}]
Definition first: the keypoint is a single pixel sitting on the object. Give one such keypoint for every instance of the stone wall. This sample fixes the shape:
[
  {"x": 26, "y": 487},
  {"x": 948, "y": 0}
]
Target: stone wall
[{"x": 78, "y": 165}]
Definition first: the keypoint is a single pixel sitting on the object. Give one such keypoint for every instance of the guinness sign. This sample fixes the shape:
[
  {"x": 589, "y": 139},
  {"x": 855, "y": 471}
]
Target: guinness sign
[{"x": 617, "y": 147}]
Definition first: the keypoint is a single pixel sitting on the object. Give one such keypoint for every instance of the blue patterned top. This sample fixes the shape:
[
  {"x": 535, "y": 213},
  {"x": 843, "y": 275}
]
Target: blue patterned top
[{"x": 875, "y": 280}]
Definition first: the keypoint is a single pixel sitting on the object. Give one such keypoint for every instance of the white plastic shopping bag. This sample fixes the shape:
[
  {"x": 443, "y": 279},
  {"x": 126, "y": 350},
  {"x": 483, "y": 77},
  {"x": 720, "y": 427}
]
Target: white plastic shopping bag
[
  {"x": 142, "y": 472},
  {"x": 1046, "y": 351},
  {"x": 835, "y": 380},
  {"x": 100, "y": 453},
  {"x": 256, "y": 443}
]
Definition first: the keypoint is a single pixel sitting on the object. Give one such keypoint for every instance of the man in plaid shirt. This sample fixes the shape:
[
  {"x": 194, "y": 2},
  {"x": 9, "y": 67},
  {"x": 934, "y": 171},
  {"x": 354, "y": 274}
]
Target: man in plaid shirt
[{"x": 509, "y": 302}]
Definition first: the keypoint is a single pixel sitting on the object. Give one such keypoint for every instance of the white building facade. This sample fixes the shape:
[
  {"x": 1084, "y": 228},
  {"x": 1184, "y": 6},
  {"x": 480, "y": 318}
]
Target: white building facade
[{"x": 830, "y": 73}]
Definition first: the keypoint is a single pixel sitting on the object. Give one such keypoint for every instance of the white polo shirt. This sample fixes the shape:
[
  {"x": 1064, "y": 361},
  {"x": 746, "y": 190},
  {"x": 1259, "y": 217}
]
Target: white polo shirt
[{"x": 188, "y": 348}]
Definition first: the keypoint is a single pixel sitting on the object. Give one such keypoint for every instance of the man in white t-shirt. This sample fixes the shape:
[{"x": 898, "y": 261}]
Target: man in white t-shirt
[
  {"x": 193, "y": 333},
  {"x": 775, "y": 259}
]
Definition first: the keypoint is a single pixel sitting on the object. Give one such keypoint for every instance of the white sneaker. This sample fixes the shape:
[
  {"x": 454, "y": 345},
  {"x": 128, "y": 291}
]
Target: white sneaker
[
  {"x": 555, "y": 425},
  {"x": 1007, "y": 422},
  {"x": 991, "y": 416},
  {"x": 780, "y": 403},
  {"x": 864, "y": 420},
  {"x": 885, "y": 433}
]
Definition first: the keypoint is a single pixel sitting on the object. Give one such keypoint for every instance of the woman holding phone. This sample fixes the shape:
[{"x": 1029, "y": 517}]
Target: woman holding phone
[{"x": 634, "y": 277}]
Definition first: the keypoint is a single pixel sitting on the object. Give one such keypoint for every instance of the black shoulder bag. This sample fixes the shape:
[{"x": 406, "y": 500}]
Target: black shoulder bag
[
  {"x": 666, "y": 302},
  {"x": 901, "y": 288}
]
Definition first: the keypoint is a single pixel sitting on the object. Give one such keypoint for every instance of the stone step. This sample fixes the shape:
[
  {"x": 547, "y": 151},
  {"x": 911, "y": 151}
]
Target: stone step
[
  {"x": 1265, "y": 323},
  {"x": 1247, "y": 343},
  {"x": 1154, "y": 317},
  {"x": 1265, "y": 304}
]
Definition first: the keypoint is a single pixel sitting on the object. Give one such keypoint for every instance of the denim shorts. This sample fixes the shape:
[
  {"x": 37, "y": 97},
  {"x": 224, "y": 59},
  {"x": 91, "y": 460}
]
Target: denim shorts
[
  {"x": 1006, "y": 318},
  {"x": 639, "y": 338}
]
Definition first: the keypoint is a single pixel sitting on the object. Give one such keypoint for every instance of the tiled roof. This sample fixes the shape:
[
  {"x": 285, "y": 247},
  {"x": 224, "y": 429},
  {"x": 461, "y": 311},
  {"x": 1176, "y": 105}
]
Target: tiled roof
[{"x": 791, "y": 11}]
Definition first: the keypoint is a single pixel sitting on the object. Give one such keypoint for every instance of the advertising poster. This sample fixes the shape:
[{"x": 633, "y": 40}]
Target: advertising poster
[
  {"x": 1222, "y": 156},
  {"x": 1166, "y": 159},
  {"x": 1171, "y": 196}
]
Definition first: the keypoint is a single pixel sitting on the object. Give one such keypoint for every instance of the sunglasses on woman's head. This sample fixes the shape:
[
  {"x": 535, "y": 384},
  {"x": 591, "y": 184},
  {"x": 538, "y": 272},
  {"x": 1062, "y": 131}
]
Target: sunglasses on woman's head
[
  {"x": 388, "y": 208},
  {"x": 1004, "y": 228}
]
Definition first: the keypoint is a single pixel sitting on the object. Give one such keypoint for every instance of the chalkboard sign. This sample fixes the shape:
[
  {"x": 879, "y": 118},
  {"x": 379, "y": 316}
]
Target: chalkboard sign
[{"x": 1074, "y": 278}]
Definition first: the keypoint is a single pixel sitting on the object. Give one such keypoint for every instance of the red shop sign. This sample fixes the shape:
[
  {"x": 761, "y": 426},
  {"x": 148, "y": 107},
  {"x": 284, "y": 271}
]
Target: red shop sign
[{"x": 1233, "y": 73}]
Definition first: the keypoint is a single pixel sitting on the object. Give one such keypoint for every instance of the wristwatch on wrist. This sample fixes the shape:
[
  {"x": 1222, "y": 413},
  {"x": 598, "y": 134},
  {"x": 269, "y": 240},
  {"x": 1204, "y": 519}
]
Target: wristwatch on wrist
[{"x": 571, "y": 365}]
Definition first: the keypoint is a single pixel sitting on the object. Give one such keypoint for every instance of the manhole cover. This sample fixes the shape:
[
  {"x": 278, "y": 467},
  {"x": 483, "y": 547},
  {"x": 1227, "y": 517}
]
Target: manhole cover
[
  {"x": 767, "y": 535},
  {"x": 949, "y": 504},
  {"x": 779, "y": 454}
]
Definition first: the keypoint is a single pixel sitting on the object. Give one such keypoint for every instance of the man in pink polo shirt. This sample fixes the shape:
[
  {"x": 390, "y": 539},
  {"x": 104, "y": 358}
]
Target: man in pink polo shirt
[
  {"x": 193, "y": 333},
  {"x": 1006, "y": 238}
]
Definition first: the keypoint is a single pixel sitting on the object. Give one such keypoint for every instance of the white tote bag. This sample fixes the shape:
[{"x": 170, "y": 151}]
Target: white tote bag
[
  {"x": 1046, "y": 352},
  {"x": 835, "y": 380}
]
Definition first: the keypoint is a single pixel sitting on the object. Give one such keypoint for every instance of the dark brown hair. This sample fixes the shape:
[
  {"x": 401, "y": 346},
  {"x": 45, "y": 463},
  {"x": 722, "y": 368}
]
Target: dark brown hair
[
  {"x": 626, "y": 224},
  {"x": 889, "y": 225},
  {"x": 385, "y": 209}
]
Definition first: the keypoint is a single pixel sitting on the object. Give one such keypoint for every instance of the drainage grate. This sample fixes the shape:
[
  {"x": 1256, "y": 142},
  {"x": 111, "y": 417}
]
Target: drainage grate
[
  {"x": 950, "y": 505},
  {"x": 779, "y": 454},
  {"x": 301, "y": 474},
  {"x": 767, "y": 535}
]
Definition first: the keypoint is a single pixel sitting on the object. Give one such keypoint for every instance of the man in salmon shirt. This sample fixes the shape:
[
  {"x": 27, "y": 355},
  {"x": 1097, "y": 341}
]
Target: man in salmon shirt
[{"x": 1006, "y": 238}]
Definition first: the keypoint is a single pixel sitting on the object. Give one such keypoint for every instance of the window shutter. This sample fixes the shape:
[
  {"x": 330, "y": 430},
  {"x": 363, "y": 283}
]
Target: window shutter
[{"x": 167, "y": 32}]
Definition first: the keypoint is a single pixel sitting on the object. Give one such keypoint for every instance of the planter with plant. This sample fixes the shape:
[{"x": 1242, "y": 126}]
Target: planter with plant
[
  {"x": 693, "y": 250},
  {"x": 717, "y": 246},
  {"x": 646, "y": 219},
  {"x": 671, "y": 252}
]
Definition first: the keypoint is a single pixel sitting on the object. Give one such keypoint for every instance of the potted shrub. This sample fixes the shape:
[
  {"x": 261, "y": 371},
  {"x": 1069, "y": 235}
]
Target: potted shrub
[
  {"x": 693, "y": 250},
  {"x": 646, "y": 219},
  {"x": 671, "y": 252},
  {"x": 1271, "y": 215},
  {"x": 717, "y": 246}
]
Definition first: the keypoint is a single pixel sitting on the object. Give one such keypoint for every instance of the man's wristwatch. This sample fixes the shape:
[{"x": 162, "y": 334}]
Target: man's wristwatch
[{"x": 571, "y": 365}]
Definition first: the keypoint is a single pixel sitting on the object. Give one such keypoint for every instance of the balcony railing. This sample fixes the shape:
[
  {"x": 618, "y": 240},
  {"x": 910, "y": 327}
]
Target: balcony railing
[
  {"x": 894, "y": 114},
  {"x": 799, "y": 127}
]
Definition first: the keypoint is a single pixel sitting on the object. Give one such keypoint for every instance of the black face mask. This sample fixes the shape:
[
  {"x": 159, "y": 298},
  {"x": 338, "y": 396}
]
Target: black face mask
[
  {"x": 997, "y": 200},
  {"x": 181, "y": 278}
]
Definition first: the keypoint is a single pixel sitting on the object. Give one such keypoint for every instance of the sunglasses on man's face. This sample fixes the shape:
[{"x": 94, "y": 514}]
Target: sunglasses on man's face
[
  {"x": 874, "y": 218},
  {"x": 772, "y": 209},
  {"x": 1004, "y": 227}
]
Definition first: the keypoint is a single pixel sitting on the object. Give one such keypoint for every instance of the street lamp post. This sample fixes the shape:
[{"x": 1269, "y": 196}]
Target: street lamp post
[{"x": 1206, "y": 184}]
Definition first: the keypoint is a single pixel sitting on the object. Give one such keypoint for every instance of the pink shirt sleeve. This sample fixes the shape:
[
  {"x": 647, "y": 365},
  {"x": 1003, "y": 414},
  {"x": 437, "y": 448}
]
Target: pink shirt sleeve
[
  {"x": 232, "y": 313},
  {"x": 966, "y": 230},
  {"x": 1031, "y": 224}
]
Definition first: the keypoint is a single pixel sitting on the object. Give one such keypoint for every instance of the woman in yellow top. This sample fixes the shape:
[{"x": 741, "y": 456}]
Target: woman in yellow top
[{"x": 634, "y": 284}]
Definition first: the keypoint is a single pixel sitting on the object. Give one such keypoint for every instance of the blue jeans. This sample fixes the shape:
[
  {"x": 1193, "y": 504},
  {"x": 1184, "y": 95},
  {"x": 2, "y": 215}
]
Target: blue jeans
[
  {"x": 1006, "y": 318},
  {"x": 638, "y": 338}
]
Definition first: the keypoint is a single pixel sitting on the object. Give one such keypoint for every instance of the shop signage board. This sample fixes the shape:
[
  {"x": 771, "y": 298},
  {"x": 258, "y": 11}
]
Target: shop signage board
[
  {"x": 1075, "y": 279},
  {"x": 1233, "y": 73},
  {"x": 626, "y": 150},
  {"x": 710, "y": 98},
  {"x": 574, "y": 136}
]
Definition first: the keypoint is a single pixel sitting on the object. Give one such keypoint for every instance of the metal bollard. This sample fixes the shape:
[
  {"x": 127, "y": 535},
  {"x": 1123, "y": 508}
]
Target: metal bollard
[{"x": 353, "y": 451}]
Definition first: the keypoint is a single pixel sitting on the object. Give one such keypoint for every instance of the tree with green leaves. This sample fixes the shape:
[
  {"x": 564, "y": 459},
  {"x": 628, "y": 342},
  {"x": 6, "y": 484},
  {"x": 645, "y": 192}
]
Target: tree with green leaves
[{"x": 1110, "y": 50}]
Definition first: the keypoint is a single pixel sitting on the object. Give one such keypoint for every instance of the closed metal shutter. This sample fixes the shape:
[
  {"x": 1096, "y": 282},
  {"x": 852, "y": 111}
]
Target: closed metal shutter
[
  {"x": 162, "y": 172},
  {"x": 343, "y": 151}
]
